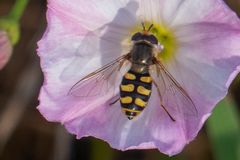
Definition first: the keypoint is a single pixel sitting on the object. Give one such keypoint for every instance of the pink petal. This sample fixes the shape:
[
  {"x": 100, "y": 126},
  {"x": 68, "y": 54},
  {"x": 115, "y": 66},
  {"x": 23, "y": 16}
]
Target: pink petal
[
  {"x": 153, "y": 129},
  {"x": 207, "y": 60},
  {"x": 180, "y": 12},
  {"x": 5, "y": 49},
  {"x": 90, "y": 14},
  {"x": 64, "y": 50},
  {"x": 205, "y": 64}
]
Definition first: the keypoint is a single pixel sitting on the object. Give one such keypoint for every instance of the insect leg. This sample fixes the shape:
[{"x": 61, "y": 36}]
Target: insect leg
[
  {"x": 161, "y": 101},
  {"x": 112, "y": 103}
]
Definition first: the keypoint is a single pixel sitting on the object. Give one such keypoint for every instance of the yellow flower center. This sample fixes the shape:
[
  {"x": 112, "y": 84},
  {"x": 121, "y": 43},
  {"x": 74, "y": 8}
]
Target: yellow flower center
[{"x": 165, "y": 37}]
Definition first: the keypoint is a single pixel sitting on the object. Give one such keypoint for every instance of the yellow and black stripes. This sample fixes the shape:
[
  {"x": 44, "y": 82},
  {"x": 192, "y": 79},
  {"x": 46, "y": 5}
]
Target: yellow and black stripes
[{"x": 135, "y": 91}]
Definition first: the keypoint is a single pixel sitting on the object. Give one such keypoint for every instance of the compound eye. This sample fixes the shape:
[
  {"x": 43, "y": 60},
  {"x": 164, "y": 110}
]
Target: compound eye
[
  {"x": 137, "y": 36},
  {"x": 152, "y": 39}
]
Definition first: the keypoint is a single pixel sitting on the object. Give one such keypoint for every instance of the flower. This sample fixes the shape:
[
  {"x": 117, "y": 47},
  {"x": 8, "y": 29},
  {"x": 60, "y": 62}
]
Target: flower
[
  {"x": 201, "y": 50},
  {"x": 5, "y": 49}
]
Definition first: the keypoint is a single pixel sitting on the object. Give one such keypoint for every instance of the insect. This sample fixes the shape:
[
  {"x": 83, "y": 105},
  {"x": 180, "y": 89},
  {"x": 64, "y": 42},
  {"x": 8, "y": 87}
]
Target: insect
[{"x": 134, "y": 88}]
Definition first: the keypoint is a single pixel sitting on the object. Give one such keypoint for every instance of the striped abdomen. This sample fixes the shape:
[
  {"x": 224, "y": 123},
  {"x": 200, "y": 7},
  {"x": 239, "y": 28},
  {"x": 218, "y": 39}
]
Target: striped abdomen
[{"x": 135, "y": 91}]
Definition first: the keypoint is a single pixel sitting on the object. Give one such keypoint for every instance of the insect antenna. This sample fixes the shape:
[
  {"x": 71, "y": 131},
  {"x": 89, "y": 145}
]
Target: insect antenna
[
  {"x": 150, "y": 27},
  {"x": 143, "y": 25}
]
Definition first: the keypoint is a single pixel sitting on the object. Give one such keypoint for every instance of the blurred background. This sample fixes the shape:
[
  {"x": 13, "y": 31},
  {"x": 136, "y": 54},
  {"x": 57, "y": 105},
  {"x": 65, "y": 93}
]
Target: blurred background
[{"x": 26, "y": 135}]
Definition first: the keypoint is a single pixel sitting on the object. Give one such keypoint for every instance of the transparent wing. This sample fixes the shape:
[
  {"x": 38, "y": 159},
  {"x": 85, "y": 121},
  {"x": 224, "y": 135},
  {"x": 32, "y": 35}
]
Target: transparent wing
[
  {"x": 105, "y": 41},
  {"x": 174, "y": 99},
  {"x": 103, "y": 81}
]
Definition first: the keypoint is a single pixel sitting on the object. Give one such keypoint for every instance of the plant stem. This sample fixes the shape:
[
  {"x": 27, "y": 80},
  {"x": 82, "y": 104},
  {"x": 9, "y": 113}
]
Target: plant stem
[{"x": 18, "y": 9}]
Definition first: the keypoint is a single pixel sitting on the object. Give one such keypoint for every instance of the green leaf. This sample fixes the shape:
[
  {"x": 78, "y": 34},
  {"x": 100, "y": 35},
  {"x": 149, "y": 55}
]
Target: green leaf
[{"x": 224, "y": 131}]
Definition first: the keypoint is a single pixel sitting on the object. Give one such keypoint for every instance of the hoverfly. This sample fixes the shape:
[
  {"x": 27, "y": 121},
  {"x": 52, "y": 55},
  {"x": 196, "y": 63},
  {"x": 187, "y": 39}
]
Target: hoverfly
[{"x": 135, "y": 86}]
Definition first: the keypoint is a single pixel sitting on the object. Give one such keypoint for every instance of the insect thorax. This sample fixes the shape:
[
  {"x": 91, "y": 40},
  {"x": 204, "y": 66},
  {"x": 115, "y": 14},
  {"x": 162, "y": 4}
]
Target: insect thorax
[{"x": 142, "y": 53}]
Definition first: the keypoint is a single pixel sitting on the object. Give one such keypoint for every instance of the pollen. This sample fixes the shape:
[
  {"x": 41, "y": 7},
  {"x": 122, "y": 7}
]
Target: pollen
[{"x": 167, "y": 39}]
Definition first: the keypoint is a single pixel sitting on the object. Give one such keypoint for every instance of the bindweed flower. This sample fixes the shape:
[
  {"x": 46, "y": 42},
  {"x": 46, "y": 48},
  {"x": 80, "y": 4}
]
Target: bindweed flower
[
  {"x": 5, "y": 49},
  {"x": 198, "y": 45}
]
